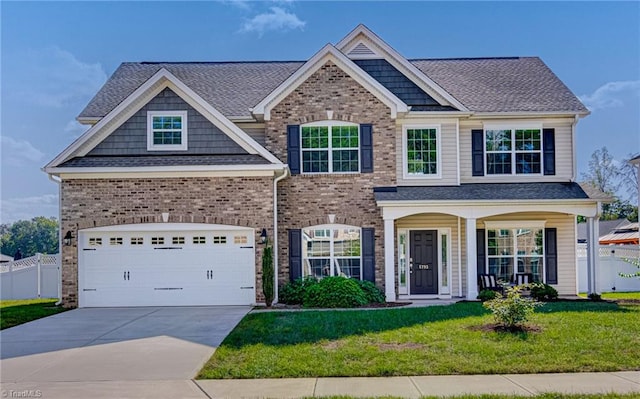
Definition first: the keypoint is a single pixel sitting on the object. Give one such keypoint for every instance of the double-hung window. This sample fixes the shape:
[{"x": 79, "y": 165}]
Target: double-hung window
[
  {"x": 515, "y": 250},
  {"x": 330, "y": 147},
  {"x": 422, "y": 152},
  {"x": 332, "y": 250},
  {"x": 513, "y": 151},
  {"x": 167, "y": 130}
]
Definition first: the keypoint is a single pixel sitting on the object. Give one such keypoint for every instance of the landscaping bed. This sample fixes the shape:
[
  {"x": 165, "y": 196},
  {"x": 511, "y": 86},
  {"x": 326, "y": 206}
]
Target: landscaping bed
[{"x": 573, "y": 336}]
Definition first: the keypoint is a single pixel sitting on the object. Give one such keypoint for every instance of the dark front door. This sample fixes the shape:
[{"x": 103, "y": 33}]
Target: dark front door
[{"x": 424, "y": 262}]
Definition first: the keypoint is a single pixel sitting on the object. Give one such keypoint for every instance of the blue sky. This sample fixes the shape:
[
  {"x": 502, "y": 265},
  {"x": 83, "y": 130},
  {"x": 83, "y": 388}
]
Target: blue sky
[{"x": 56, "y": 55}]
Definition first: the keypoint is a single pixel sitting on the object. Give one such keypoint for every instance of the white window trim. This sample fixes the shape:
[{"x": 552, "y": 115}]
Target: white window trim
[
  {"x": 513, "y": 128},
  {"x": 405, "y": 153},
  {"x": 332, "y": 257},
  {"x": 512, "y": 225},
  {"x": 166, "y": 147},
  {"x": 330, "y": 124}
]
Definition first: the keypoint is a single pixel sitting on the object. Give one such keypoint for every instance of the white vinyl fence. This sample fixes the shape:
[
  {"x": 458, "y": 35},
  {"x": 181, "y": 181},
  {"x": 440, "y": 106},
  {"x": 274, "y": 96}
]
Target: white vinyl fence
[
  {"x": 611, "y": 264},
  {"x": 32, "y": 277}
]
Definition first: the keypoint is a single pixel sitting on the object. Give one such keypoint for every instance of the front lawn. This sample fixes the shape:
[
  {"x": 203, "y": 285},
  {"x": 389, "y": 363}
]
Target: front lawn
[
  {"x": 621, "y": 295},
  {"x": 571, "y": 337},
  {"x": 14, "y": 312}
]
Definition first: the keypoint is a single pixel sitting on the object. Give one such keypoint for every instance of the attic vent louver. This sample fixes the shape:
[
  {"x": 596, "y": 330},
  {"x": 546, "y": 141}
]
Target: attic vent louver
[{"x": 361, "y": 50}]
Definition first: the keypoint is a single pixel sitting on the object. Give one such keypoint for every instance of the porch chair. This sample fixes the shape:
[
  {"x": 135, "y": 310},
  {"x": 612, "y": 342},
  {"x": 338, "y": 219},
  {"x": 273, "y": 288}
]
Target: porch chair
[
  {"x": 523, "y": 278},
  {"x": 489, "y": 282}
]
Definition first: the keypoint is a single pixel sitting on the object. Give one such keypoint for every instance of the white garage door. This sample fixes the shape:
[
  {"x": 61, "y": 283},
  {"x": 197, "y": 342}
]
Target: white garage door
[{"x": 166, "y": 265}]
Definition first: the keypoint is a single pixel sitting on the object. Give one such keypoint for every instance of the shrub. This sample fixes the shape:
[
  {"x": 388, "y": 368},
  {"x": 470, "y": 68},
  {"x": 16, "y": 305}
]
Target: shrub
[
  {"x": 267, "y": 275},
  {"x": 513, "y": 310},
  {"x": 487, "y": 295},
  {"x": 293, "y": 293},
  {"x": 334, "y": 292},
  {"x": 371, "y": 291},
  {"x": 595, "y": 297},
  {"x": 541, "y": 292}
]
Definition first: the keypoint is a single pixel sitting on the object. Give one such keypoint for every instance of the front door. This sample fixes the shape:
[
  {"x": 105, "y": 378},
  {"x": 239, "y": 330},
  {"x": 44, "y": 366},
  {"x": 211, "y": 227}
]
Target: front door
[{"x": 423, "y": 262}]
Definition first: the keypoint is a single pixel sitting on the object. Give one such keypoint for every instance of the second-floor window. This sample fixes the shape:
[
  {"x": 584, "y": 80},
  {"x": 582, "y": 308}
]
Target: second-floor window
[
  {"x": 330, "y": 147},
  {"x": 166, "y": 130},
  {"x": 513, "y": 151},
  {"x": 422, "y": 152}
]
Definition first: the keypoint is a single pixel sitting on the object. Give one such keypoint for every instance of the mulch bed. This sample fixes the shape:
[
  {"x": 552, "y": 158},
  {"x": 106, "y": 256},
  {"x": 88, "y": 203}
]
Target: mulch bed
[{"x": 281, "y": 306}]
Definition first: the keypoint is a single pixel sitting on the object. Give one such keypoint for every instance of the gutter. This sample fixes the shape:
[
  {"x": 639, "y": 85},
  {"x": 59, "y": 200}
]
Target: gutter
[
  {"x": 58, "y": 181},
  {"x": 275, "y": 231}
]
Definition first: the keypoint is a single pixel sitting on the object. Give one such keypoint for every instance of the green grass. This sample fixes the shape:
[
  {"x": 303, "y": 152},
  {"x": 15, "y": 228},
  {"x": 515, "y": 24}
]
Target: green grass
[
  {"x": 15, "y": 312},
  {"x": 575, "y": 336},
  {"x": 548, "y": 395},
  {"x": 616, "y": 295}
]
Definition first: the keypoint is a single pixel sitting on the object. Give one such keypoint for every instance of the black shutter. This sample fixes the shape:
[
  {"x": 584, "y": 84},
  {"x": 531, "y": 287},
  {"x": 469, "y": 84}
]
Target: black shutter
[
  {"x": 293, "y": 148},
  {"x": 368, "y": 254},
  {"x": 477, "y": 152},
  {"x": 549, "y": 151},
  {"x": 295, "y": 254},
  {"x": 551, "y": 254},
  {"x": 481, "y": 252},
  {"x": 366, "y": 148}
]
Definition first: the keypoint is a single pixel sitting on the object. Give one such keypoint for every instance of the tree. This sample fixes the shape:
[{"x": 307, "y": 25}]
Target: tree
[
  {"x": 39, "y": 234},
  {"x": 609, "y": 176},
  {"x": 603, "y": 172}
]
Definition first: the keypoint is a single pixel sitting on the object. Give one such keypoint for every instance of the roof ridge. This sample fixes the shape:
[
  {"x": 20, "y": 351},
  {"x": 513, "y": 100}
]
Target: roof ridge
[
  {"x": 210, "y": 62},
  {"x": 471, "y": 58}
]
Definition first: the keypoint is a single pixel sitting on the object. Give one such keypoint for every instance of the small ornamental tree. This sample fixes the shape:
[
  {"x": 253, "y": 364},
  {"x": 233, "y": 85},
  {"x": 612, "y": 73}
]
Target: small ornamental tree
[
  {"x": 513, "y": 310},
  {"x": 267, "y": 275}
]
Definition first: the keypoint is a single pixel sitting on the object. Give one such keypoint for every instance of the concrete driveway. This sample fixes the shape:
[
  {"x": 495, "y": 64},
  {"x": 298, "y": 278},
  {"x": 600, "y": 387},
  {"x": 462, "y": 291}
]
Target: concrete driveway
[{"x": 115, "y": 344}]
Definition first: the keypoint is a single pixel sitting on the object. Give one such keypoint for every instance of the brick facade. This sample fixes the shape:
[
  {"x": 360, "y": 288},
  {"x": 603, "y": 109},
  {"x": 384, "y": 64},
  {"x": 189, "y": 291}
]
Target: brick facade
[
  {"x": 237, "y": 201},
  {"x": 306, "y": 200}
]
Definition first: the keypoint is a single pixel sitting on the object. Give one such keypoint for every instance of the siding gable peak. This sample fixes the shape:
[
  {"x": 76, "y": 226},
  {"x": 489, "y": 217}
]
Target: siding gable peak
[
  {"x": 155, "y": 85},
  {"x": 362, "y": 37}
]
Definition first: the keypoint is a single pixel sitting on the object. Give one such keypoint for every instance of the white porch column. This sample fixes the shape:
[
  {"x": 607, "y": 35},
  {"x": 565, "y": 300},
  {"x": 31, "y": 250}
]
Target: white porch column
[
  {"x": 472, "y": 261},
  {"x": 593, "y": 254},
  {"x": 389, "y": 261}
]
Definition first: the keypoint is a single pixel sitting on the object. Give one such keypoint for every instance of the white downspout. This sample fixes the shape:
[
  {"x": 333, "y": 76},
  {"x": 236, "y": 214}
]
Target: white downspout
[
  {"x": 574, "y": 172},
  {"x": 58, "y": 181},
  {"x": 275, "y": 232},
  {"x": 459, "y": 261}
]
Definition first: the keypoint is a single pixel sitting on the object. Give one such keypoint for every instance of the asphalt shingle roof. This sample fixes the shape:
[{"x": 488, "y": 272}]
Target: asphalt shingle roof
[
  {"x": 517, "y": 84},
  {"x": 483, "y": 191},
  {"x": 163, "y": 160}
]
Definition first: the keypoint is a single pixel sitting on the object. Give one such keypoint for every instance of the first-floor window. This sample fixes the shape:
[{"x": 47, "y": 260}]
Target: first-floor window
[
  {"x": 331, "y": 251},
  {"x": 512, "y": 251}
]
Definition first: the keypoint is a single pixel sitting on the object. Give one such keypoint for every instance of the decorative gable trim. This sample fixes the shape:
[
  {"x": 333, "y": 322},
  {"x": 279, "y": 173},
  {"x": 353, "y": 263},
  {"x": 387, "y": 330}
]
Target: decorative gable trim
[
  {"x": 361, "y": 51},
  {"x": 361, "y": 35},
  {"x": 328, "y": 53},
  {"x": 147, "y": 91}
]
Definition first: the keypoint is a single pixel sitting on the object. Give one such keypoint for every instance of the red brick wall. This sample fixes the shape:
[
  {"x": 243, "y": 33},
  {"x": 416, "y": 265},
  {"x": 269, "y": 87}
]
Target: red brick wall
[{"x": 306, "y": 200}]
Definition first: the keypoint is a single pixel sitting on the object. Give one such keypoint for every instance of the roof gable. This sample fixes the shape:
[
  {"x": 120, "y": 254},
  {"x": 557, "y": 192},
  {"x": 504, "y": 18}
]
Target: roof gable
[
  {"x": 161, "y": 80},
  {"x": 328, "y": 53},
  {"x": 363, "y": 38}
]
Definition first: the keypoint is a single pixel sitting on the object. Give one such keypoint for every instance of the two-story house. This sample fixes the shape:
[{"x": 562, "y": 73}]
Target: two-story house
[{"x": 418, "y": 175}]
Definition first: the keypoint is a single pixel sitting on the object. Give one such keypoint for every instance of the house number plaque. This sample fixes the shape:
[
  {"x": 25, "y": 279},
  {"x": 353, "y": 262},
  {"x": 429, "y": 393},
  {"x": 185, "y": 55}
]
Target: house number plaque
[{"x": 423, "y": 267}]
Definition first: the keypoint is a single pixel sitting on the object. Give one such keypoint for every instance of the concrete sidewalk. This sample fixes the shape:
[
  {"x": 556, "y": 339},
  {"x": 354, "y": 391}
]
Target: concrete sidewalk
[{"x": 406, "y": 387}]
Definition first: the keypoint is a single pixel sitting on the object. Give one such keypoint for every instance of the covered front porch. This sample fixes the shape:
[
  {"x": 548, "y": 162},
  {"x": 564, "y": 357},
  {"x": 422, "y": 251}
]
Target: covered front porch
[{"x": 436, "y": 248}]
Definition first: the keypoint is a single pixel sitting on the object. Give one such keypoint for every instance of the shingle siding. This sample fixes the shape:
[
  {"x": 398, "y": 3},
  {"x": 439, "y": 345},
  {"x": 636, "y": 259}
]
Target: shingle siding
[{"x": 131, "y": 137}]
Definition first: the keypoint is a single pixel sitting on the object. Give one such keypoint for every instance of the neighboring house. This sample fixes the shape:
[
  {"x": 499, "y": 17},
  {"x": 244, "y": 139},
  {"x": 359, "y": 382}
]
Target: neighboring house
[
  {"x": 605, "y": 227},
  {"x": 626, "y": 234},
  {"x": 417, "y": 175}
]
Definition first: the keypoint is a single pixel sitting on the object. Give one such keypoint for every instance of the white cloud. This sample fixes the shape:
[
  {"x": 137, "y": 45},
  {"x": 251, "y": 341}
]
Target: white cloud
[
  {"x": 611, "y": 94},
  {"x": 18, "y": 152},
  {"x": 277, "y": 19},
  {"x": 26, "y": 208},
  {"x": 53, "y": 77}
]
